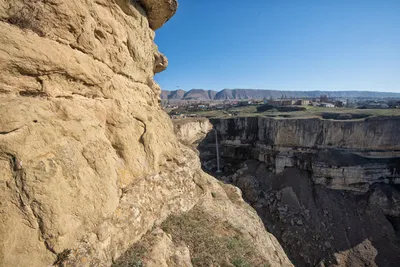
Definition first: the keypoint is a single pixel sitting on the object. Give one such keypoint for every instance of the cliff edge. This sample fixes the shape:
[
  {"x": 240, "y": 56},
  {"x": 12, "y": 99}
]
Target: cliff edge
[
  {"x": 89, "y": 163},
  {"x": 327, "y": 189}
]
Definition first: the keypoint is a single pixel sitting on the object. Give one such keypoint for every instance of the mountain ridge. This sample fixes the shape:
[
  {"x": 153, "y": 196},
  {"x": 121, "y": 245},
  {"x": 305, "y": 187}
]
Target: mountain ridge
[{"x": 238, "y": 94}]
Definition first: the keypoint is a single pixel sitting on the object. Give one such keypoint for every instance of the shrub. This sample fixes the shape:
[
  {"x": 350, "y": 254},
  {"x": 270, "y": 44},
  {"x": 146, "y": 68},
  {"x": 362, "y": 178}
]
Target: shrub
[{"x": 132, "y": 257}]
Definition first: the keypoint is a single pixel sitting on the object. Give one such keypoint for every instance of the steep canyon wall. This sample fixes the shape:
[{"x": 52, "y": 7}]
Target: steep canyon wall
[
  {"x": 328, "y": 190},
  {"x": 340, "y": 154}
]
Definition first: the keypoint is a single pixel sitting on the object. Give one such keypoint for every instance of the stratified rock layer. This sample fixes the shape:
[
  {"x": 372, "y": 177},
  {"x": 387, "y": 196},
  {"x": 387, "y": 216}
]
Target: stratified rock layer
[
  {"x": 89, "y": 163},
  {"x": 159, "y": 12},
  {"x": 328, "y": 190},
  {"x": 192, "y": 131},
  {"x": 340, "y": 154}
]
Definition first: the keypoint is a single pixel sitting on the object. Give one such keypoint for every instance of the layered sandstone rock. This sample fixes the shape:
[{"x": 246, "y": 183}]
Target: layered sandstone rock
[
  {"x": 329, "y": 204},
  {"x": 89, "y": 163},
  {"x": 349, "y": 155},
  {"x": 192, "y": 131},
  {"x": 159, "y": 12},
  {"x": 376, "y": 133}
]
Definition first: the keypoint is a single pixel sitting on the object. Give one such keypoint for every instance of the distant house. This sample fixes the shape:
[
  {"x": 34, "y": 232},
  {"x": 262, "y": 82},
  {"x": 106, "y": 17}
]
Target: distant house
[
  {"x": 281, "y": 102},
  {"x": 287, "y": 102},
  {"x": 302, "y": 102},
  {"x": 273, "y": 102},
  {"x": 326, "y": 105}
]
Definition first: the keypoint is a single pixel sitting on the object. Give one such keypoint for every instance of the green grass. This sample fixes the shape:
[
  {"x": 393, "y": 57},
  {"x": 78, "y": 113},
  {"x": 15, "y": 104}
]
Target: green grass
[
  {"x": 310, "y": 112},
  {"x": 318, "y": 111}
]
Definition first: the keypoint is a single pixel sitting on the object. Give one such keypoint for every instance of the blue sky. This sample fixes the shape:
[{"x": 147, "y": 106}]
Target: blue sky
[{"x": 282, "y": 44}]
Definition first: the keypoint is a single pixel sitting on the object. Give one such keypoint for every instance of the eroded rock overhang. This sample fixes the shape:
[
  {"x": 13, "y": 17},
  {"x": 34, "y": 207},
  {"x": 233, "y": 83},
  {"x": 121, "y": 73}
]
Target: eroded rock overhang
[{"x": 159, "y": 11}]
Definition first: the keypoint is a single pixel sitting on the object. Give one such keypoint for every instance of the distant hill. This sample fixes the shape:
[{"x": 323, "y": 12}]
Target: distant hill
[
  {"x": 177, "y": 94},
  {"x": 238, "y": 94},
  {"x": 194, "y": 94},
  {"x": 199, "y": 94}
]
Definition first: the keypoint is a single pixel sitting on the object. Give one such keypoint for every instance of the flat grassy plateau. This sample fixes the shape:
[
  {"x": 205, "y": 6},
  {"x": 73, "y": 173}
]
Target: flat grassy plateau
[{"x": 310, "y": 112}]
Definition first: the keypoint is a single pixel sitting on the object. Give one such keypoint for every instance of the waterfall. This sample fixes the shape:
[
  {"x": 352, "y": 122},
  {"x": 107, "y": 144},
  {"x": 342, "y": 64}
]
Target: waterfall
[{"x": 217, "y": 150}]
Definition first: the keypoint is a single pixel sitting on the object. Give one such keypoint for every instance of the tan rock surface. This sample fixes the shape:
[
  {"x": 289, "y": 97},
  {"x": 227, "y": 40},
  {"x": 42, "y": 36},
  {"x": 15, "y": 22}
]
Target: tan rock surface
[
  {"x": 88, "y": 160},
  {"x": 160, "y": 63},
  {"x": 342, "y": 155},
  {"x": 191, "y": 131},
  {"x": 159, "y": 12}
]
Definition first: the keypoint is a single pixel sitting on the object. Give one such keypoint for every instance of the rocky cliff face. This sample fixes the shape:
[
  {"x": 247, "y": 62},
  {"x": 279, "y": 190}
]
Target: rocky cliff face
[
  {"x": 340, "y": 154},
  {"x": 89, "y": 163},
  {"x": 328, "y": 190},
  {"x": 192, "y": 131}
]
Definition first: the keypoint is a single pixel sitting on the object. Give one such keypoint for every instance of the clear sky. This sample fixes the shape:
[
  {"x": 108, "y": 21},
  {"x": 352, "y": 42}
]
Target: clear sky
[{"x": 283, "y": 45}]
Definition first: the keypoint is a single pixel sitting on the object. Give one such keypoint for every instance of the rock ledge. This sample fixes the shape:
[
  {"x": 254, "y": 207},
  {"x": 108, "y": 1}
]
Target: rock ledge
[{"x": 159, "y": 12}]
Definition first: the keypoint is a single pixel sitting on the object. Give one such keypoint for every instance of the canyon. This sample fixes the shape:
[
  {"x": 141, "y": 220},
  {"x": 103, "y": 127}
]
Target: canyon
[
  {"x": 349, "y": 155},
  {"x": 327, "y": 189}
]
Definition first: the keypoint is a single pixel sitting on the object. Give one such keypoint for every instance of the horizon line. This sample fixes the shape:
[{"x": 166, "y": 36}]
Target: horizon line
[{"x": 352, "y": 90}]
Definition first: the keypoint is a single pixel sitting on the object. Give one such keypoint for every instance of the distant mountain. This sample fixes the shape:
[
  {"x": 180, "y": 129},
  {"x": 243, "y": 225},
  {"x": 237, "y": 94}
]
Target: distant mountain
[
  {"x": 238, "y": 94},
  {"x": 177, "y": 94},
  {"x": 194, "y": 94},
  {"x": 199, "y": 94},
  {"x": 165, "y": 94}
]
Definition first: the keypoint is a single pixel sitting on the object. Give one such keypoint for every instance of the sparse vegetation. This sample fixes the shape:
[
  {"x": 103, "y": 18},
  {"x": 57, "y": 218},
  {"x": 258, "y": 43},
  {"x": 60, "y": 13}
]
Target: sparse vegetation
[
  {"x": 240, "y": 263},
  {"x": 267, "y": 107},
  {"x": 211, "y": 242},
  {"x": 62, "y": 257},
  {"x": 344, "y": 116},
  {"x": 133, "y": 257}
]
